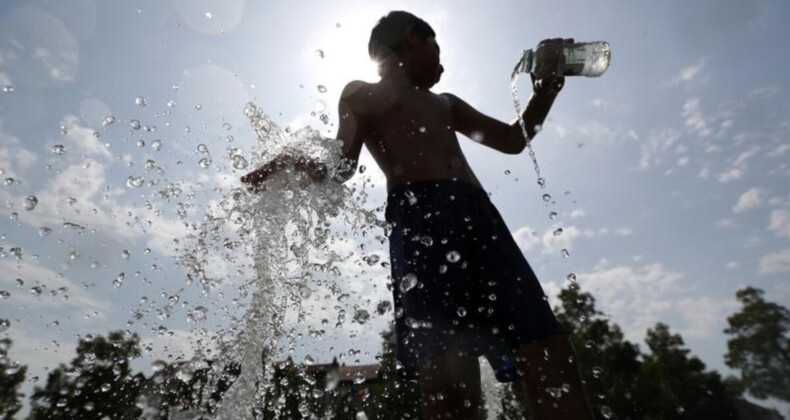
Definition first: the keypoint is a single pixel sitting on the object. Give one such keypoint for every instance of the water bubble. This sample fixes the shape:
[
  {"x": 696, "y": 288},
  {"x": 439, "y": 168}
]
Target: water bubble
[
  {"x": 442, "y": 268},
  {"x": 606, "y": 412},
  {"x": 371, "y": 259},
  {"x": 58, "y": 149},
  {"x": 408, "y": 282},
  {"x": 31, "y": 202},
  {"x": 4, "y": 294},
  {"x": 383, "y": 307},
  {"x": 597, "y": 371},
  {"x": 320, "y": 53},
  {"x": 4, "y": 324},
  {"x": 200, "y": 313},
  {"x": 156, "y": 144},
  {"x": 546, "y": 197},
  {"x": 558, "y": 232},
  {"x": 553, "y": 215},
  {"x": 171, "y": 103},
  {"x": 105, "y": 387},
  {"x": 423, "y": 129},
  {"x": 565, "y": 253},
  {"x": 362, "y": 169},
  {"x": 541, "y": 182},
  {"x": 453, "y": 256},
  {"x": 74, "y": 255},
  {"x": 134, "y": 181},
  {"x": 158, "y": 365},
  {"x": 140, "y": 143},
  {"x": 108, "y": 120},
  {"x": 125, "y": 254},
  {"x": 361, "y": 316},
  {"x": 209, "y": 15},
  {"x": 198, "y": 106},
  {"x": 202, "y": 148},
  {"x": 227, "y": 126},
  {"x": 239, "y": 162},
  {"x": 426, "y": 240},
  {"x": 36, "y": 290},
  {"x": 571, "y": 277},
  {"x": 322, "y": 88},
  {"x": 140, "y": 101},
  {"x": 205, "y": 162},
  {"x": 135, "y": 124},
  {"x": 118, "y": 282},
  {"x": 507, "y": 171},
  {"x": 461, "y": 311},
  {"x": 9, "y": 181}
]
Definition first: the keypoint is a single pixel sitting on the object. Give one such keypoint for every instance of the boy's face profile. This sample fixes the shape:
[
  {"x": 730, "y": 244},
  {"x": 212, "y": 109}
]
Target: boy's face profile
[{"x": 424, "y": 64}]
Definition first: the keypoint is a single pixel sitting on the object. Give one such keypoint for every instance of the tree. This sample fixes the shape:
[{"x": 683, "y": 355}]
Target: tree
[
  {"x": 11, "y": 377},
  {"x": 98, "y": 383},
  {"x": 394, "y": 398},
  {"x": 760, "y": 346},
  {"x": 678, "y": 384}
]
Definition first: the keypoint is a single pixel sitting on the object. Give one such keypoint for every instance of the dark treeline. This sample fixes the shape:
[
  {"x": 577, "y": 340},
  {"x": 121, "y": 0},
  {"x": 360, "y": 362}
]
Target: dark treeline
[{"x": 665, "y": 381}]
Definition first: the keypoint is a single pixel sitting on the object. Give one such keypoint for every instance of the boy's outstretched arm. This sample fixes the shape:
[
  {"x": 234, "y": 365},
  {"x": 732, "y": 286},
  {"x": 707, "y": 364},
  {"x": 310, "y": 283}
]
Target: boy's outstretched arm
[
  {"x": 508, "y": 138},
  {"x": 350, "y": 131}
]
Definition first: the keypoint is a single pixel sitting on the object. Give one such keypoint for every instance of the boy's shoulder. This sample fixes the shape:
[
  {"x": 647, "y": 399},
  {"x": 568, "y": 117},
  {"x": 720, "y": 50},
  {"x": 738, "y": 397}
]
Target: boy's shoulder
[{"x": 366, "y": 98}]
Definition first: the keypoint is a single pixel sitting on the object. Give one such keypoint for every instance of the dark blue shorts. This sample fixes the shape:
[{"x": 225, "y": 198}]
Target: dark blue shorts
[{"x": 460, "y": 283}]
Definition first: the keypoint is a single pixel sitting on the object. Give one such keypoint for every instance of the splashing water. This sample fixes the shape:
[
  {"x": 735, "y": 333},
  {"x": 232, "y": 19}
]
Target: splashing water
[
  {"x": 288, "y": 228},
  {"x": 517, "y": 105}
]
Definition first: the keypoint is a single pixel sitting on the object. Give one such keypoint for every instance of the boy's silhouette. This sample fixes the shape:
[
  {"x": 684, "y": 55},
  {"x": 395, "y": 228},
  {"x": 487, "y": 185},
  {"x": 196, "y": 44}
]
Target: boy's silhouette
[{"x": 462, "y": 287}]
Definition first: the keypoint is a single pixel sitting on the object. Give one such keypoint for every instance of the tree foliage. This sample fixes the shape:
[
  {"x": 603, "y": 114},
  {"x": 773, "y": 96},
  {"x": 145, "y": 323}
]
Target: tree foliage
[
  {"x": 11, "y": 377},
  {"x": 760, "y": 345}
]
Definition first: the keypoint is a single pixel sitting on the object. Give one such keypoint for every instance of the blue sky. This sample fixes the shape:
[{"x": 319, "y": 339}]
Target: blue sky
[{"x": 669, "y": 172}]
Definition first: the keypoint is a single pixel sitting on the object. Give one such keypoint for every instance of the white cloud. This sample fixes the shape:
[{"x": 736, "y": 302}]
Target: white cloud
[
  {"x": 751, "y": 199},
  {"x": 776, "y": 263},
  {"x": 683, "y": 161},
  {"x": 576, "y": 213},
  {"x": 704, "y": 172},
  {"x": 779, "y": 150},
  {"x": 687, "y": 74},
  {"x": 15, "y": 159},
  {"x": 726, "y": 223},
  {"x": 780, "y": 223},
  {"x": 695, "y": 120},
  {"x": 83, "y": 138},
  {"x": 655, "y": 147},
  {"x": 732, "y": 174},
  {"x": 526, "y": 238},
  {"x": 732, "y": 264},
  {"x": 624, "y": 232},
  {"x": 703, "y": 316}
]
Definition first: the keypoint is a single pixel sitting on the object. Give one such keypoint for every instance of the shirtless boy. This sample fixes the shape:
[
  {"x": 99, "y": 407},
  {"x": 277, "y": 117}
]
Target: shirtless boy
[{"x": 462, "y": 288}]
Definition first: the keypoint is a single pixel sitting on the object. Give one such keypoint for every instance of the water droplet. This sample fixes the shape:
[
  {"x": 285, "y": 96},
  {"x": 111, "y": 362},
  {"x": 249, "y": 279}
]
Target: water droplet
[
  {"x": 209, "y": 15},
  {"x": 134, "y": 181},
  {"x": 125, "y": 254},
  {"x": 4, "y": 294},
  {"x": 442, "y": 268},
  {"x": 200, "y": 313},
  {"x": 227, "y": 126},
  {"x": 322, "y": 88},
  {"x": 198, "y": 106},
  {"x": 135, "y": 124},
  {"x": 44, "y": 231},
  {"x": 565, "y": 253},
  {"x": 597, "y": 371},
  {"x": 140, "y": 101},
  {"x": 571, "y": 277},
  {"x": 74, "y": 255},
  {"x": 453, "y": 256},
  {"x": 426, "y": 240},
  {"x": 58, "y": 149},
  {"x": 361, "y": 316},
  {"x": 105, "y": 387},
  {"x": 477, "y": 136},
  {"x": 606, "y": 412},
  {"x": 239, "y": 162},
  {"x": 118, "y": 282},
  {"x": 320, "y": 53},
  {"x": 31, "y": 202},
  {"x": 423, "y": 129},
  {"x": 553, "y": 215},
  {"x": 546, "y": 197},
  {"x": 492, "y": 297},
  {"x": 4, "y": 324},
  {"x": 507, "y": 171},
  {"x": 108, "y": 120},
  {"x": 158, "y": 365},
  {"x": 541, "y": 182},
  {"x": 202, "y": 148},
  {"x": 171, "y": 103},
  {"x": 8, "y": 89},
  {"x": 205, "y": 162},
  {"x": 36, "y": 291},
  {"x": 558, "y": 232},
  {"x": 408, "y": 282},
  {"x": 371, "y": 259},
  {"x": 362, "y": 169},
  {"x": 360, "y": 414},
  {"x": 156, "y": 145},
  {"x": 461, "y": 312}
]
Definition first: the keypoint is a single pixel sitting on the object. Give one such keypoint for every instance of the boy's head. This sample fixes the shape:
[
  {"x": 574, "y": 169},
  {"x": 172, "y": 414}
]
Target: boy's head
[{"x": 402, "y": 37}]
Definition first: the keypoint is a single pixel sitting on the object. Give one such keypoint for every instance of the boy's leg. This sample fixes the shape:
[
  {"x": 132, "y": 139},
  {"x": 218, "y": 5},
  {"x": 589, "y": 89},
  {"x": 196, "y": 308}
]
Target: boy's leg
[
  {"x": 450, "y": 388},
  {"x": 546, "y": 375}
]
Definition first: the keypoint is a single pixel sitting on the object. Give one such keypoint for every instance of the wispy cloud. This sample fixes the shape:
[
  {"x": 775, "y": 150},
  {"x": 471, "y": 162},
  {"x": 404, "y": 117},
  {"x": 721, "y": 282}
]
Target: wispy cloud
[
  {"x": 695, "y": 120},
  {"x": 779, "y": 223},
  {"x": 775, "y": 263},
  {"x": 751, "y": 199},
  {"x": 688, "y": 74}
]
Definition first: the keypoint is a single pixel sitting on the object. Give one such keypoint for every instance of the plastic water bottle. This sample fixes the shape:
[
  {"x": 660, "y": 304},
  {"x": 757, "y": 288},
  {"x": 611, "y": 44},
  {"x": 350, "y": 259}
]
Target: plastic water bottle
[{"x": 589, "y": 59}]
